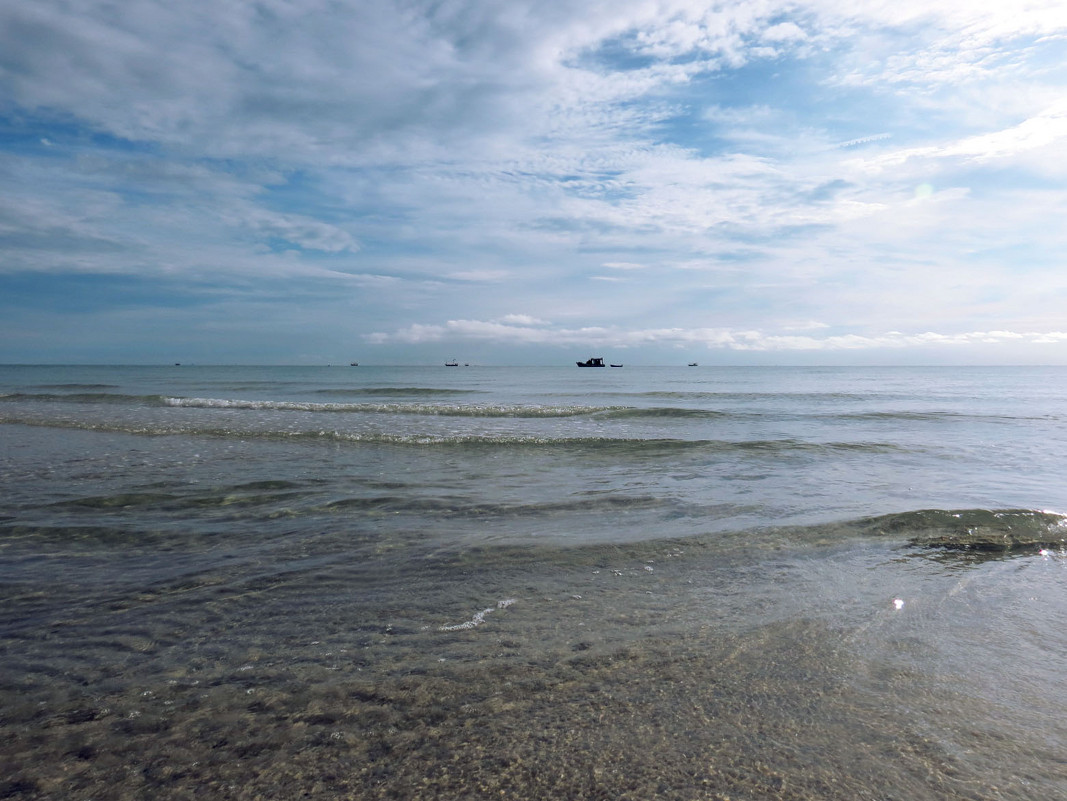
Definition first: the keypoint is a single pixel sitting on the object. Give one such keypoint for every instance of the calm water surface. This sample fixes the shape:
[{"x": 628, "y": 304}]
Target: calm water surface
[{"x": 677, "y": 583}]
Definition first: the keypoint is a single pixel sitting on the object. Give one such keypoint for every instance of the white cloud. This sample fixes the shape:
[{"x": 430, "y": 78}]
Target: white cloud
[
  {"x": 302, "y": 231},
  {"x": 784, "y": 32},
  {"x": 521, "y": 319},
  {"x": 1049, "y": 127},
  {"x": 805, "y": 325},
  {"x": 711, "y": 338},
  {"x": 864, "y": 140}
]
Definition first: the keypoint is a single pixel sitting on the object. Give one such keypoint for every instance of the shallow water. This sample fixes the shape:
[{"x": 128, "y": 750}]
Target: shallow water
[{"x": 672, "y": 583}]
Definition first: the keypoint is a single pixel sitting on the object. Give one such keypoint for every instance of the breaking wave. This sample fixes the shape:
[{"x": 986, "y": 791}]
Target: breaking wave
[{"x": 431, "y": 410}]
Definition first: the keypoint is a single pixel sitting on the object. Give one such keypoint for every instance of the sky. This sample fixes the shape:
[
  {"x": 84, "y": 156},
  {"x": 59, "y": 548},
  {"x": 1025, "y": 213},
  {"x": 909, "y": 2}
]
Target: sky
[{"x": 533, "y": 181}]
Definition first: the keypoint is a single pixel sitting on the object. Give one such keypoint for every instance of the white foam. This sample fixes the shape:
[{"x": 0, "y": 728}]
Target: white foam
[
  {"x": 430, "y": 409},
  {"x": 479, "y": 617}
]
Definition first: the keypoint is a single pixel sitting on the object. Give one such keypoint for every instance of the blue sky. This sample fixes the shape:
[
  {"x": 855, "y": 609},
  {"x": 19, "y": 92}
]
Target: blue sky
[{"x": 533, "y": 181}]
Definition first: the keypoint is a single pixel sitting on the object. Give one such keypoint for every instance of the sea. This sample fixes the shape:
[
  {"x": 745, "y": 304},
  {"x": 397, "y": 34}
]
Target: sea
[{"x": 481, "y": 582}]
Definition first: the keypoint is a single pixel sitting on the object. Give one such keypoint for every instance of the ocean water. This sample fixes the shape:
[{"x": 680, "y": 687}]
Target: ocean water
[{"x": 490, "y": 582}]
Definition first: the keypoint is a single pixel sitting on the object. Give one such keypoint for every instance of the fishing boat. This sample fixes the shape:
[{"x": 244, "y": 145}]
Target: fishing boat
[
  {"x": 692, "y": 364},
  {"x": 595, "y": 361},
  {"x": 453, "y": 363},
  {"x": 616, "y": 365}
]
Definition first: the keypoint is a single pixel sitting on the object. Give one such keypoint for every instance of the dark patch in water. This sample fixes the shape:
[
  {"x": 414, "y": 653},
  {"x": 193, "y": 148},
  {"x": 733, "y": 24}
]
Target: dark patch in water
[{"x": 974, "y": 529}]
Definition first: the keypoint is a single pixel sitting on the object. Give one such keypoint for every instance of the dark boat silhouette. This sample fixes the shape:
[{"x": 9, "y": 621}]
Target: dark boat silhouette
[{"x": 595, "y": 361}]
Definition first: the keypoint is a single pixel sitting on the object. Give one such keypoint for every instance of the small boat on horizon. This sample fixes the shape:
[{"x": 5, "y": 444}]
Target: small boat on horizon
[
  {"x": 453, "y": 363},
  {"x": 616, "y": 365},
  {"x": 353, "y": 364},
  {"x": 595, "y": 361},
  {"x": 692, "y": 364}
]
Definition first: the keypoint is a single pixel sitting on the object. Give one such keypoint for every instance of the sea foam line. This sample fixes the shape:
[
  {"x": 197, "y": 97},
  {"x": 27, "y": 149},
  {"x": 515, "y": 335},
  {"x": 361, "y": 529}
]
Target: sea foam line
[
  {"x": 479, "y": 617},
  {"x": 425, "y": 409}
]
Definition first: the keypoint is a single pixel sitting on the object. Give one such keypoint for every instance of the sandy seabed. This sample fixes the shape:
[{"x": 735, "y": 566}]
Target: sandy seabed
[{"x": 607, "y": 710}]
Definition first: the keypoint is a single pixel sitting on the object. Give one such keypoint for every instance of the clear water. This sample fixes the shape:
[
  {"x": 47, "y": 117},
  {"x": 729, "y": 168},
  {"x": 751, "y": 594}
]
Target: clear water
[{"x": 250, "y": 582}]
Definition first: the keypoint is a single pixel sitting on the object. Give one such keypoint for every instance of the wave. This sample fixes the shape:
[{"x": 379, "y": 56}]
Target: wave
[
  {"x": 77, "y": 386},
  {"x": 430, "y": 410},
  {"x": 987, "y": 530},
  {"x": 454, "y": 410},
  {"x": 458, "y": 507},
  {"x": 905, "y": 415},
  {"x": 971, "y": 534},
  {"x": 395, "y": 391},
  {"x": 109, "y": 398},
  {"x": 704, "y": 395},
  {"x": 662, "y": 412},
  {"x": 425, "y": 409},
  {"x": 615, "y": 447},
  {"x": 476, "y": 410},
  {"x": 251, "y": 494},
  {"x": 929, "y": 416}
]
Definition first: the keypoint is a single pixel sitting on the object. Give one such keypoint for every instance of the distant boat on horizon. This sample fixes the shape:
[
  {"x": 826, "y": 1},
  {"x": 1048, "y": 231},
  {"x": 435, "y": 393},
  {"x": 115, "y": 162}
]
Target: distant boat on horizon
[
  {"x": 353, "y": 364},
  {"x": 594, "y": 361},
  {"x": 453, "y": 363},
  {"x": 692, "y": 364},
  {"x": 616, "y": 365}
]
